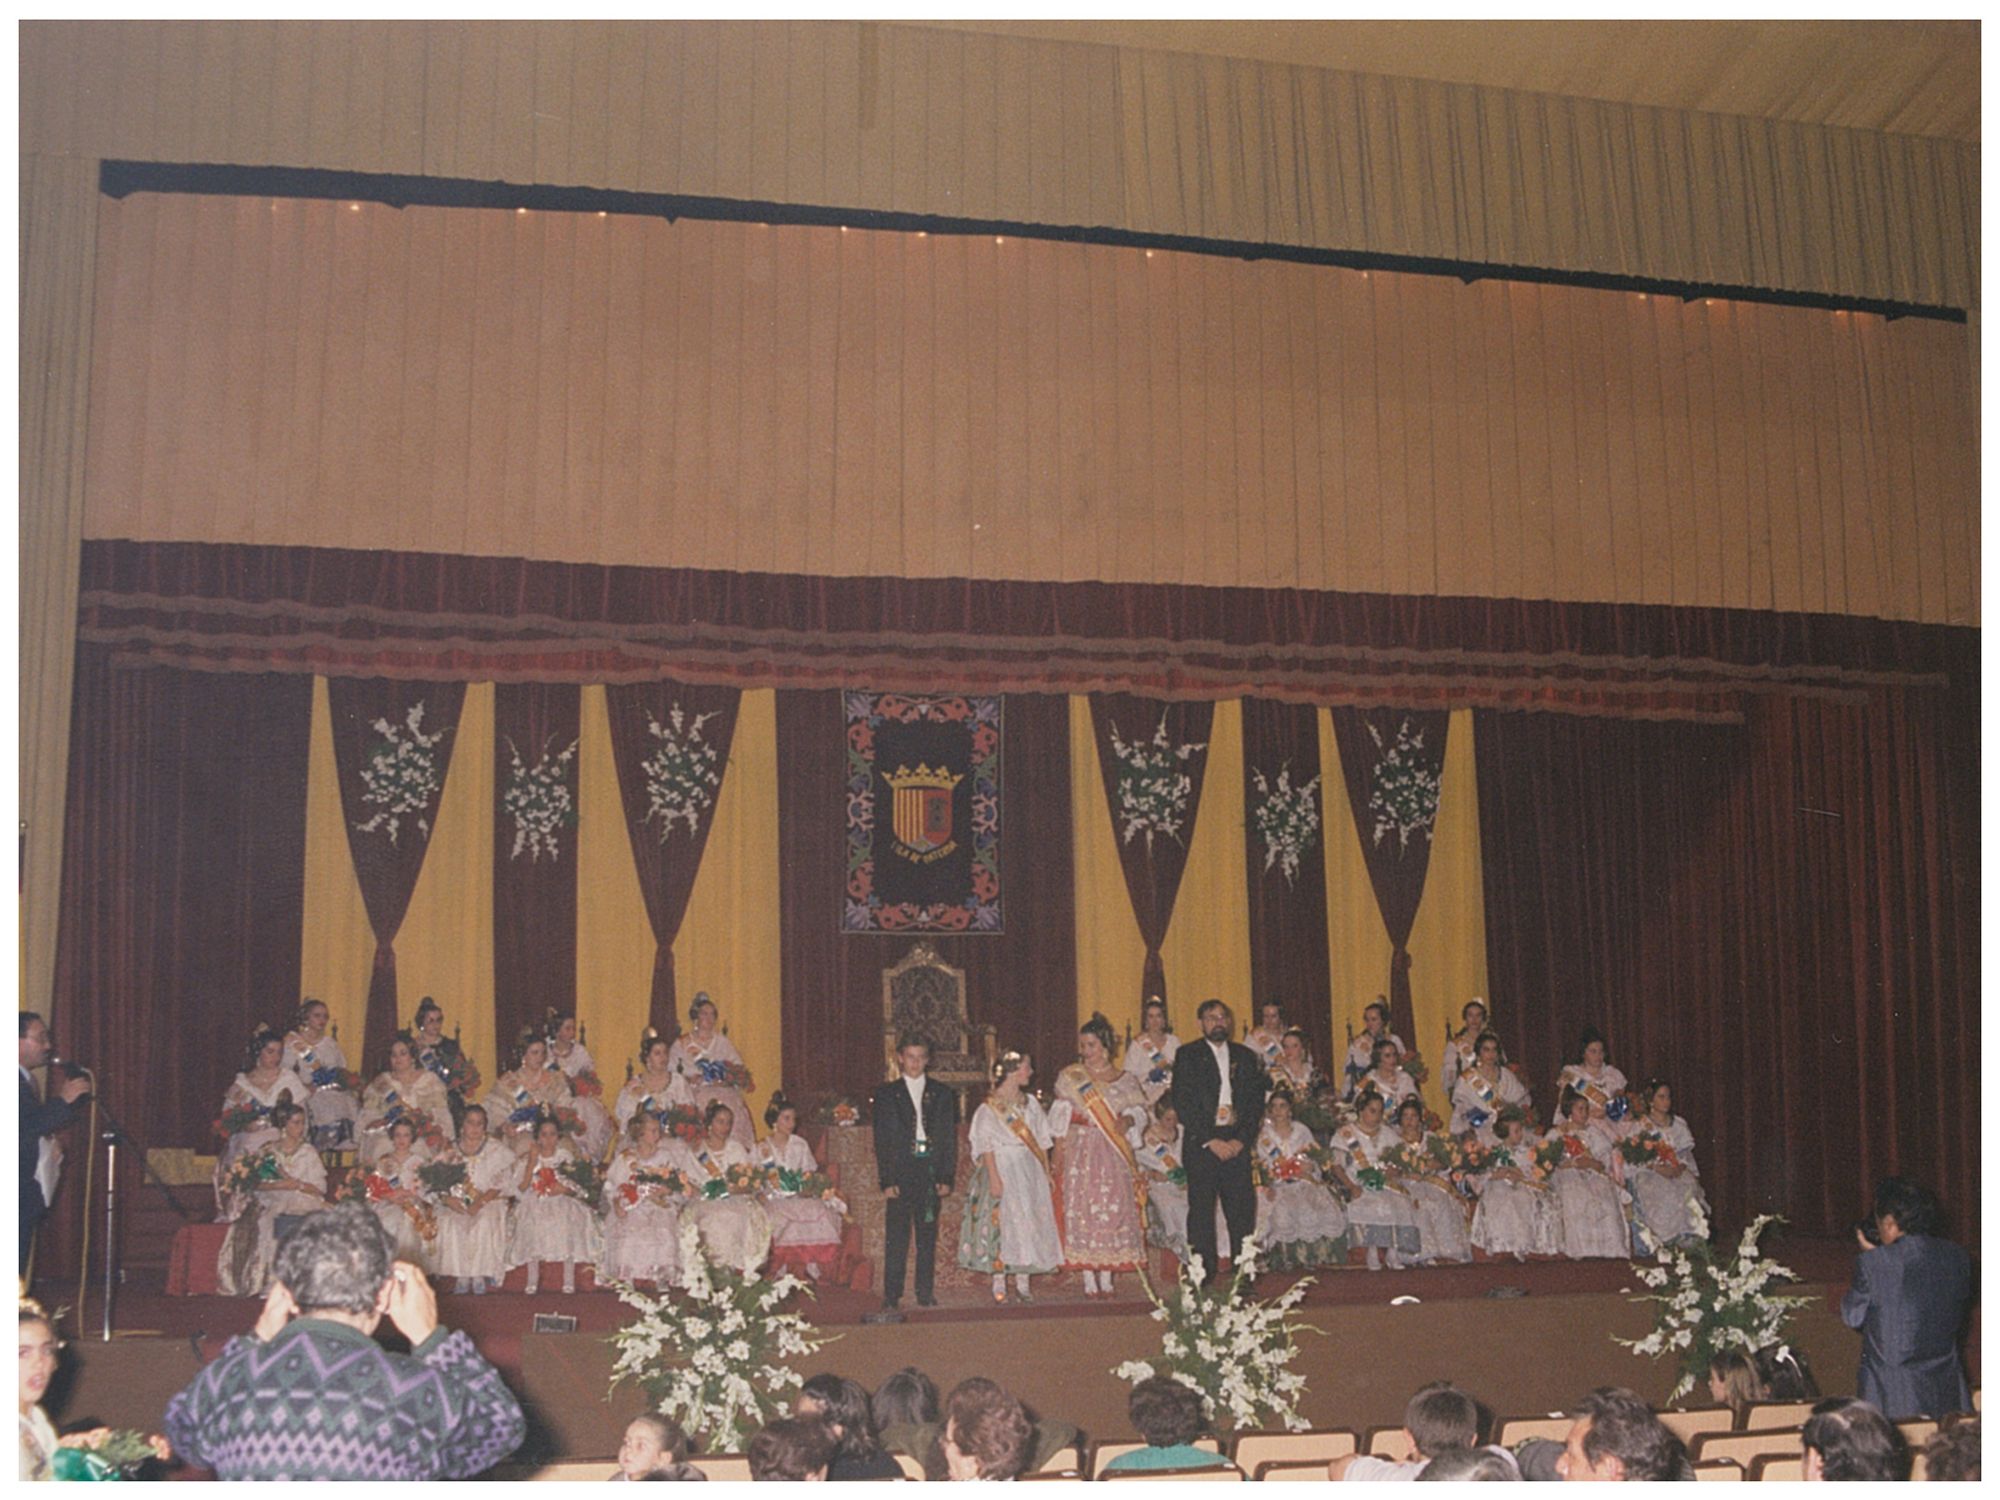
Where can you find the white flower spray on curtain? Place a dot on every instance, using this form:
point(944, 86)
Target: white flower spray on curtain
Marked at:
point(1153, 789)
point(683, 775)
point(1403, 791)
point(539, 800)
point(401, 777)
point(1286, 817)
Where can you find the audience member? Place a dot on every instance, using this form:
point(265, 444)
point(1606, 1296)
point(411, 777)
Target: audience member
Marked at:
point(908, 1398)
point(655, 1447)
point(1439, 1416)
point(1786, 1374)
point(792, 1449)
point(287, 1401)
point(1849, 1439)
point(1734, 1382)
point(1168, 1416)
point(1908, 1301)
point(987, 1434)
point(843, 1406)
point(39, 1347)
point(1953, 1452)
point(1461, 1465)
point(1616, 1437)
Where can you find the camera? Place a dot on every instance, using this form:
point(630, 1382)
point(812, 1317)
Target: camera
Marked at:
point(1867, 1230)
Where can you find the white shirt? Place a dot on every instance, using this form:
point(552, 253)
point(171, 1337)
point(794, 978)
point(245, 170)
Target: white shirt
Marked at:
point(1227, 1098)
point(916, 1088)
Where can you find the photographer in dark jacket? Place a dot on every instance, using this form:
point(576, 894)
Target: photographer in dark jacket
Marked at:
point(916, 1159)
point(1909, 1299)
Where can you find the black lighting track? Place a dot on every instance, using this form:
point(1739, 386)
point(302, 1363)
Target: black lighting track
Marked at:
point(119, 179)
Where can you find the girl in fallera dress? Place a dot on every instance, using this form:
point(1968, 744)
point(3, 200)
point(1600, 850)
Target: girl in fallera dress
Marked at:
point(1300, 1222)
point(656, 1087)
point(1157, 1148)
point(1666, 1190)
point(1387, 1077)
point(261, 1087)
point(1294, 1071)
point(243, 1266)
point(1442, 1213)
point(573, 1059)
point(734, 1227)
point(1380, 1216)
point(1483, 1089)
point(1009, 1227)
point(1594, 1078)
point(399, 1089)
point(551, 1221)
point(642, 1227)
point(1150, 1058)
point(1517, 1213)
point(472, 1229)
point(405, 1213)
point(1268, 1037)
point(1462, 1047)
point(1361, 1050)
point(708, 1062)
point(332, 1108)
point(804, 1231)
point(1103, 1195)
point(522, 1096)
point(1589, 1200)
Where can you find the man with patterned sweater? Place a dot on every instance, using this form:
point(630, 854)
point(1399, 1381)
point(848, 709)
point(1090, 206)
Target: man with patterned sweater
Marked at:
point(309, 1394)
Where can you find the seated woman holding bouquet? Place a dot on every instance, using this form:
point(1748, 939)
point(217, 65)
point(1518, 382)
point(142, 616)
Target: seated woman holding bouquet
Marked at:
point(402, 1090)
point(1660, 1172)
point(1009, 1227)
point(1517, 1213)
point(395, 1192)
point(1157, 1149)
point(1425, 1161)
point(587, 1089)
point(644, 1194)
point(555, 1215)
point(804, 1213)
point(656, 1087)
point(1294, 1070)
point(528, 1092)
point(264, 1084)
point(440, 1054)
point(1150, 1057)
point(1361, 1049)
point(1461, 1048)
point(733, 1225)
point(472, 1208)
point(712, 1069)
point(1582, 1155)
point(283, 1178)
point(1388, 1077)
point(1380, 1215)
point(1484, 1089)
point(1594, 1078)
point(334, 1104)
point(1300, 1222)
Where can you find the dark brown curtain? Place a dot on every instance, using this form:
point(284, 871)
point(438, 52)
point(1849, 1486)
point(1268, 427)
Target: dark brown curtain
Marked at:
point(1153, 862)
point(1288, 953)
point(182, 889)
point(666, 855)
point(1021, 981)
point(534, 885)
point(1781, 919)
point(386, 866)
point(1397, 864)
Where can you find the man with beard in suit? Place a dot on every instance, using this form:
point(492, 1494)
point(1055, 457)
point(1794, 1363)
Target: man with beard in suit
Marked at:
point(1218, 1092)
point(916, 1158)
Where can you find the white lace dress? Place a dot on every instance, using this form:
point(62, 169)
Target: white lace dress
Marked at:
point(550, 1223)
point(405, 1228)
point(642, 1236)
point(1516, 1218)
point(734, 1227)
point(1166, 1199)
point(331, 1108)
point(700, 1064)
point(475, 1243)
point(1591, 1204)
point(1299, 1222)
point(596, 1118)
point(1379, 1218)
point(803, 1230)
point(1152, 1063)
point(1665, 1206)
point(243, 1266)
point(1442, 1218)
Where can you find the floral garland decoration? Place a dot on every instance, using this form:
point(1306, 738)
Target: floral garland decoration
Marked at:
point(1287, 818)
point(714, 1354)
point(540, 800)
point(1153, 790)
point(1233, 1350)
point(1403, 790)
point(1708, 1305)
point(401, 776)
point(682, 775)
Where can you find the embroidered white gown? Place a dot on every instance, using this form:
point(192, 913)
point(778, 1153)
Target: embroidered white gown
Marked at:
point(1268, 1045)
point(642, 1241)
point(685, 1060)
point(402, 1230)
point(287, 1087)
point(1394, 1089)
point(1592, 1205)
point(1441, 1218)
point(1167, 1200)
point(1361, 1052)
point(1516, 1218)
point(1601, 1087)
point(510, 1106)
point(1017, 1234)
point(1473, 1096)
point(1378, 1217)
point(1460, 1053)
point(656, 1099)
point(810, 1227)
point(551, 1225)
point(596, 1118)
point(424, 1091)
point(331, 1108)
point(243, 1266)
point(734, 1227)
point(475, 1244)
point(1665, 1205)
point(1152, 1064)
point(1299, 1223)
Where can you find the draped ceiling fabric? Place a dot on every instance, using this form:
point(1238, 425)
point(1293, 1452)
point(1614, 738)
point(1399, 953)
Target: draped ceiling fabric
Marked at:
point(803, 400)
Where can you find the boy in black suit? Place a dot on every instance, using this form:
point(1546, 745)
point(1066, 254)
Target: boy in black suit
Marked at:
point(1221, 1126)
point(916, 1158)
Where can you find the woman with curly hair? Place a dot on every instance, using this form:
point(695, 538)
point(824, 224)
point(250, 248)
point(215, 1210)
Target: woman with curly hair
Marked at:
point(403, 1089)
point(526, 1092)
point(1103, 1192)
point(261, 1087)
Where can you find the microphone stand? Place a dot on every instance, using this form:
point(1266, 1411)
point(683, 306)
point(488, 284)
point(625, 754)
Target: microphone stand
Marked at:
point(114, 1134)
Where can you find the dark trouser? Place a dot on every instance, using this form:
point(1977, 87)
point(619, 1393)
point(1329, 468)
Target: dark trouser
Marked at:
point(1208, 1179)
point(901, 1214)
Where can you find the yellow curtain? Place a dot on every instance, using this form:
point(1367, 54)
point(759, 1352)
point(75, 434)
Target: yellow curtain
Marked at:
point(1110, 954)
point(1448, 938)
point(1207, 951)
point(614, 936)
point(337, 947)
point(1357, 943)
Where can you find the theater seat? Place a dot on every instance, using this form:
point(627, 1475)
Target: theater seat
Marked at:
point(1689, 1425)
point(1518, 1429)
point(1102, 1453)
point(1744, 1447)
point(1223, 1474)
point(1778, 1467)
point(1764, 1415)
point(1251, 1451)
point(1721, 1471)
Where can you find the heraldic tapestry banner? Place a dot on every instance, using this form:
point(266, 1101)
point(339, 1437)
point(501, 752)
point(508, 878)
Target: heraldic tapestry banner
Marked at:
point(923, 814)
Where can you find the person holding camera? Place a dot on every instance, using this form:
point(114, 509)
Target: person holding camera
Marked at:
point(309, 1394)
point(1909, 1298)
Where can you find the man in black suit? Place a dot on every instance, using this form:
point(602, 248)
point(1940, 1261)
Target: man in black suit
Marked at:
point(916, 1158)
point(1909, 1299)
point(39, 1118)
point(1218, 1093)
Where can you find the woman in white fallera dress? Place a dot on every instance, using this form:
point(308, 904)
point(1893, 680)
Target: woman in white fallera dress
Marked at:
point(655, 1088)
point(1517, 1214)
point(1442, 1214)
point(332, 1108)
point(1267, 1039)
point(472, 1234)
point(1462, 1048)
point(550, 1223)
point(1665, 1195)
point(642, 1228)
point(1300, 1222)
point(400, 1088)
point(804, 1231)
point(1387, 1077)
point(1379, 1218)
point(404, 1214)
point(1294, 1070)
point(263, 1085)
point(1150, 1057)
point(528, 1093)
point(1588, 1196)
point(1361, 1050)
point(1485, 1088)
point(1009, 1227)
point(243, 1266)
point(733, 1226)
point(700, 1058)
point(1157, 1149)
point(586, 1085)
point(1594, 1078)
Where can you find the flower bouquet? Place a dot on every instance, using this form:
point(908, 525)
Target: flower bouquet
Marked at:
point(747, 1177)
point(336, 1078)
point(586, 1085)
point(237, 1118)
point(1417, 1068)
point(448, 1182)
point(795, 1184)
point(250, 1169)
point(1234, 1350)
point(1707, 1305)
point(585, 1178)
point(106, 1453)
point(728, 1075)
point(714, 1354)
point(1647, 1150)
point(364, 1187)
point(667, 1188)
point(681, 1121)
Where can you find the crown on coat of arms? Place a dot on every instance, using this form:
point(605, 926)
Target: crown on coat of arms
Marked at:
point(923, 778)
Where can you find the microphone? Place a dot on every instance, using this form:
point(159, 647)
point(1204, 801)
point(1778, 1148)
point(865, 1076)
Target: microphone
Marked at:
point(70, 1065)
